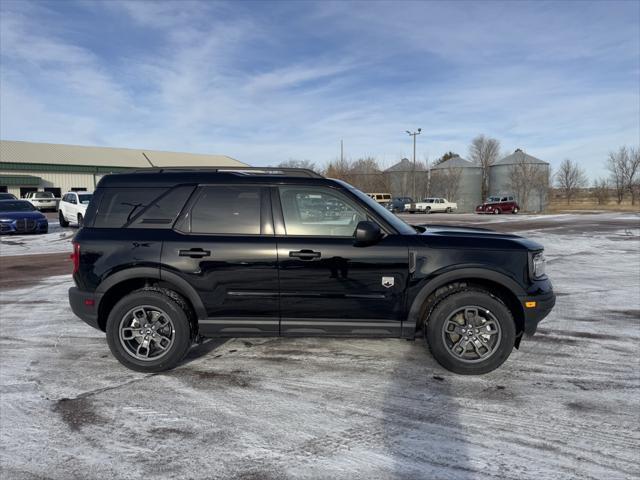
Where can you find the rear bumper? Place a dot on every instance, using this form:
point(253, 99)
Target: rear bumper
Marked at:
point(544, 303)
point(85, 306)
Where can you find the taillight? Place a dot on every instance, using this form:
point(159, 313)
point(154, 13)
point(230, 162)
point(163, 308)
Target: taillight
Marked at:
point(75, 257)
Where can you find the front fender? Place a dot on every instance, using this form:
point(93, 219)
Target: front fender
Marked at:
point(429, 285)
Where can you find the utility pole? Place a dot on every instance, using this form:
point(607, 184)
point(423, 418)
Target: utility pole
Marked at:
point(414, 135)
point(341, 152)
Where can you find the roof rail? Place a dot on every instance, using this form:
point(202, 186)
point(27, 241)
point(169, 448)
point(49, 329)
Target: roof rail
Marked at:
point(289, 171)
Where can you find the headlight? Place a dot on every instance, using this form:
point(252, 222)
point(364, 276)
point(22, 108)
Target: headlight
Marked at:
point(6, 220)
point(538, 264)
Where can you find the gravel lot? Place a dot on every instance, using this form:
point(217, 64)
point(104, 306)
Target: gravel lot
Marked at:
point(566, 405)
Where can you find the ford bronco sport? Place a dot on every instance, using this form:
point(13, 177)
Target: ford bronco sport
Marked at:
point(169, 256)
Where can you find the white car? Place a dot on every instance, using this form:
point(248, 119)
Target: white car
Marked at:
point(42, 200)
point(431, 205)
point(73, 207)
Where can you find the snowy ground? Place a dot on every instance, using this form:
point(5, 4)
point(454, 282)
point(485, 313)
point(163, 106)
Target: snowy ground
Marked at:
point(57, 240)
point(566, 405)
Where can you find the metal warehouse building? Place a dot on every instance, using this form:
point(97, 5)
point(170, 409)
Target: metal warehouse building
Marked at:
point(26, 166)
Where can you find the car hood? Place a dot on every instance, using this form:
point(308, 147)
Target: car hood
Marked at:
point(478, 237)
point(21, 215)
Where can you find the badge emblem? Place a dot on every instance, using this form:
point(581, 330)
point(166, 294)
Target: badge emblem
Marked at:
point(387, 282)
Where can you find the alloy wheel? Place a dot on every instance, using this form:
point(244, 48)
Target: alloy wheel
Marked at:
point(146, 333)
point(471, 334)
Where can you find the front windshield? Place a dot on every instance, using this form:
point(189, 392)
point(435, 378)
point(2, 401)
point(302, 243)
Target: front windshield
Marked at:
point(85, 198)
point(389, 217)
point(16, 206)
point(493, 199)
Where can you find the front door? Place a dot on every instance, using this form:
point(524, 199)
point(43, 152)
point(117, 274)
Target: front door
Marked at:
point(224, 247)
point(328, 284)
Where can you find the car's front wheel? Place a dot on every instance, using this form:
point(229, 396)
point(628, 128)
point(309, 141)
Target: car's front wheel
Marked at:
point(448, 210)
point(80, 220)
point(496, 211)
point(470, 332)
point(63, 221)
point(149, 330)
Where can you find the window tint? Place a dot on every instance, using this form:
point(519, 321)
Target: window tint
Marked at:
point(318, 212)
point(227, 210)
point(120, 205)
point(163, 210)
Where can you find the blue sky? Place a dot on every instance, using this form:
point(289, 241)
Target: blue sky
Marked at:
point(266, 82)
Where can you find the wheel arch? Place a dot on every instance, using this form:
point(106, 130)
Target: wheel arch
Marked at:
point(496, 283)
point(123, 282)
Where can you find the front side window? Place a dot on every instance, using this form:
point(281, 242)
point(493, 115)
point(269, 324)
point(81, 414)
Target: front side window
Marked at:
point(314, 211)
point(230, 210)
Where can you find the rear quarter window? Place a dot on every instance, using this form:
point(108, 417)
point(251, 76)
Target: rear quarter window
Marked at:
point(138, 207)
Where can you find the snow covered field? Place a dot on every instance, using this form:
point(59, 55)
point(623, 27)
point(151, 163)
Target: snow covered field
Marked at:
point(566, 405)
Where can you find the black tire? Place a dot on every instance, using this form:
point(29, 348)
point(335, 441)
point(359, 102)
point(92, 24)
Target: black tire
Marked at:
point(515, 210)
point(448, 210)
point(439, 338)
point(165, 301)
point(427, 210)
point(63, 221)
point(496, 211)
point(80, 220)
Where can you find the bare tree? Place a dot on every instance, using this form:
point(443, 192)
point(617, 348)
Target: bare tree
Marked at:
point(632, 174)
point(601, 190)
point(527, 179)
point(445, 182)
point(367, 176)
point(293, 163)
point(569, 178)
point(484, 152)
point(339, 169)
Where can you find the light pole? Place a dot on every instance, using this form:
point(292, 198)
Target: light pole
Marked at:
point(414, 135)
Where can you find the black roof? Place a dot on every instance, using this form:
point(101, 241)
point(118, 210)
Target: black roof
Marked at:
point(167, 177)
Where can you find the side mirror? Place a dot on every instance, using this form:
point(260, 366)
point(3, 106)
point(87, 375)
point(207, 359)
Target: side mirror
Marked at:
point(367, 232)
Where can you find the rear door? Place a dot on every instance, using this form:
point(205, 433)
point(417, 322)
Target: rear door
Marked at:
point(328, 284)
point(224, 247)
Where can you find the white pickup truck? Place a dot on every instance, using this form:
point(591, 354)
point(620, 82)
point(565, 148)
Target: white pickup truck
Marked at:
point(431, 205)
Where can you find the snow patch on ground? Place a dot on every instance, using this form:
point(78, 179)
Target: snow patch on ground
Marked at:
point(57, 240)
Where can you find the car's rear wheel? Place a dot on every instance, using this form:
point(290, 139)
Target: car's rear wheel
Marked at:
point(149, 331)
point(515, 210)
point(63, 221)
point(470, 332)
point(80, 220)
point(448, 210)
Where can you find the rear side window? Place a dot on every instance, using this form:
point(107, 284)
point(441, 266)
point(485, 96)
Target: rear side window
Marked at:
point(162, 211)
point(227, 210)
point(118, 206)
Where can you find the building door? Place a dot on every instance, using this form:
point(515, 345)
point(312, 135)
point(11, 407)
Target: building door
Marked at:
point(3, 189)
point(55, 190)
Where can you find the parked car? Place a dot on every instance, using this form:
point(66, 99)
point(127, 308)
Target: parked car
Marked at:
point(380, 197)
point(42, 200)
point(497, 205)
point(20, 216)
point(431, 205)
point(169, 256)
point(7, 196)
point(396, 205)
point(73, 207)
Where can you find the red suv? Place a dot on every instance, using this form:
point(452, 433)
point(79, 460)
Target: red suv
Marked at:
point(496, 205)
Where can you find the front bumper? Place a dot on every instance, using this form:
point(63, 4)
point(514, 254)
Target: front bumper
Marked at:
point(537, 305)
point(85, 306)
point(24, 226)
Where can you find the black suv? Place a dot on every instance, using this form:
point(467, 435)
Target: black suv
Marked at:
point(169, 256)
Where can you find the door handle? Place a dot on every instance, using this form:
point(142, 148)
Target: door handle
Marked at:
point(305, 254)
point(194, 253)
